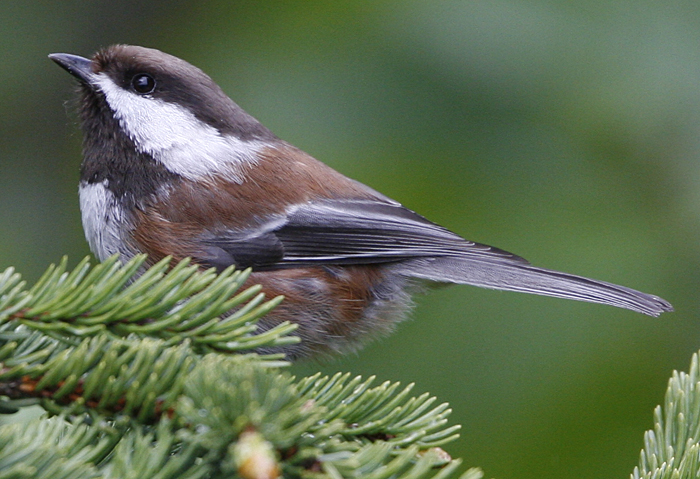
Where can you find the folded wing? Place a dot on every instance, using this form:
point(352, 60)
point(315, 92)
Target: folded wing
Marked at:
point(354, 232)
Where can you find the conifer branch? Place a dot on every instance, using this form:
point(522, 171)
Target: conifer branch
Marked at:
point(142, 357)
point(222, 402)
point(173, 304)
point(147, 359)
point(54, 448)
point(303, 424)
point(672, 447)
point(47, 450)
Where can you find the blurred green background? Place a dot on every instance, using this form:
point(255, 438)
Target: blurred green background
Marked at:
point(566, 132)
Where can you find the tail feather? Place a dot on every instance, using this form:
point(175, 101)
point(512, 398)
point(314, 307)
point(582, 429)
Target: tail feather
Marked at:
point(526, 278)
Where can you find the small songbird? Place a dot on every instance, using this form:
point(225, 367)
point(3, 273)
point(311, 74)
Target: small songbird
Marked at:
point(172, 166)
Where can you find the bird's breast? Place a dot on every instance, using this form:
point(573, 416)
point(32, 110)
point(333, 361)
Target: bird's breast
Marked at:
point(104, 221)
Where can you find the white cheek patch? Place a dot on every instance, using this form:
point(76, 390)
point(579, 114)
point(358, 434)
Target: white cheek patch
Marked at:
point(104, 221)
point(173, 136)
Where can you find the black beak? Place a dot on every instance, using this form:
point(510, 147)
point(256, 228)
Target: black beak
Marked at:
point(77, 66)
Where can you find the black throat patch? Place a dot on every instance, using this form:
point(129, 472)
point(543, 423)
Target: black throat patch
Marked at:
point(110, 156)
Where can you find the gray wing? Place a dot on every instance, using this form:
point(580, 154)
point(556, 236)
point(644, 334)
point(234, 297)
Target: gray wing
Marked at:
point(344, 232)
point(352, 232)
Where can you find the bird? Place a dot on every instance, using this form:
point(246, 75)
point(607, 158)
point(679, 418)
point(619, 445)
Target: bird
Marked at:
point(172, 167)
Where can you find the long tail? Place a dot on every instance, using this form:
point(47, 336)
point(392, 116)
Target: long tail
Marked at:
point(525, 278)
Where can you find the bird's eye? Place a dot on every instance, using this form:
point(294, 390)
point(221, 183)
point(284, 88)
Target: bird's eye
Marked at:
point(143, 83)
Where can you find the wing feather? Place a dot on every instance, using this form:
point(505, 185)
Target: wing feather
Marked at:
point(356, 232)
point(346, 232)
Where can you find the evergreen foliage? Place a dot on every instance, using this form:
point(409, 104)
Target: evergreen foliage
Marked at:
point(672, 447)
point(135, 367)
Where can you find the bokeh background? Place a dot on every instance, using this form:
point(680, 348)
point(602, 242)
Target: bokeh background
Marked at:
point(566, 132)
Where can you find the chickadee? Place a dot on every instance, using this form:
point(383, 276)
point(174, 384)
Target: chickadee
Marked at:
point(172, 166)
